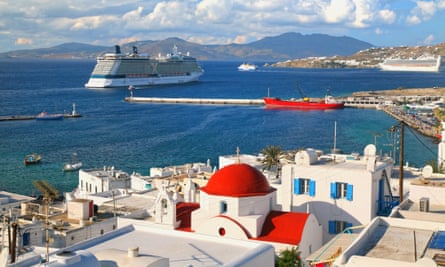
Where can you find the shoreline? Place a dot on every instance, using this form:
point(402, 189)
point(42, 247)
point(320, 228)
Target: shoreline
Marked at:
point(403, 92)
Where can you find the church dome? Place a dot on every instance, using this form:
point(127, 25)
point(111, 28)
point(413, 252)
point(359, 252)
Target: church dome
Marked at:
point(238, 180)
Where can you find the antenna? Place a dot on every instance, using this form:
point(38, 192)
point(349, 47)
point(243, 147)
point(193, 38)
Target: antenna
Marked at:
point(49, 193)
point(335, 136)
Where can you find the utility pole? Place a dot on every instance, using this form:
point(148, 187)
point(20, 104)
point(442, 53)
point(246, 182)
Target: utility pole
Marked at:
point(402, 136)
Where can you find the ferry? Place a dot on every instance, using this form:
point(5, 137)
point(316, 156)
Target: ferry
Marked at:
point(422, 63)
point(138, 70)
point(247, 67)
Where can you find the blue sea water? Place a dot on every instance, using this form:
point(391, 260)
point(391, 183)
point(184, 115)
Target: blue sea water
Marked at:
point(135, 136)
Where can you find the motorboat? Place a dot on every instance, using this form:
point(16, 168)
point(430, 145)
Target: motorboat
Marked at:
point(73, 166)
point(46, 116)
point(33, 158)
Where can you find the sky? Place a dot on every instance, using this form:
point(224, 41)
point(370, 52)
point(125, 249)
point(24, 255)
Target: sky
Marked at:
point(29, 24)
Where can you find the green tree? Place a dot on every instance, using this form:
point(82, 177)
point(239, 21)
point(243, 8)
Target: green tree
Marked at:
point(288, 258)
point(272, 158)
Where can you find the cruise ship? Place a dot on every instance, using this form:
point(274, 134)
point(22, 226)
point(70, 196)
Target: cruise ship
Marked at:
point(138, 70)
point(423, 63)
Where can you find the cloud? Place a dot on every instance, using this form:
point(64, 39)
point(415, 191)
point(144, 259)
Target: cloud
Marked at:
point(425, 10)
point(48, 22)
point(387, 16)
point(412, 20)
point(240, 39)
point(23, 41)
point(429, 39)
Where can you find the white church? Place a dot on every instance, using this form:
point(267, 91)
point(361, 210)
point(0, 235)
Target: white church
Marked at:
point(238, 203)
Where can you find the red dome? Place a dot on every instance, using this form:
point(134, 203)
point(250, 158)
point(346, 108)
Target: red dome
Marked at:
point(238, 180)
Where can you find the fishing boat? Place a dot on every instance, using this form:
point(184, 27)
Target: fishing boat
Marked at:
point(247, 67)
point(33, 158)
point(329, 102)
point(46, 116)
point(73, 166)
point(122, 70)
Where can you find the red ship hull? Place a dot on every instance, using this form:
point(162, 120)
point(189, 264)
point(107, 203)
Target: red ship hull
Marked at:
point(298, 104)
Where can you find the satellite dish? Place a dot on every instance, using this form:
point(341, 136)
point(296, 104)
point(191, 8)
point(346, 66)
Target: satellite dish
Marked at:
point(370, 150)
point(427, 171)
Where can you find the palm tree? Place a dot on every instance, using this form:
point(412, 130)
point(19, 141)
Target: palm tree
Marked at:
point(288, 258)
point(272, 158)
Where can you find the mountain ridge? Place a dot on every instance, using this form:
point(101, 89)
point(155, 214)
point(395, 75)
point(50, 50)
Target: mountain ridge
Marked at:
point(270, 48)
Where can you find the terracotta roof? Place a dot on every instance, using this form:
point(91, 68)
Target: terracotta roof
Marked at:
point(238, 180)
point(283, 227)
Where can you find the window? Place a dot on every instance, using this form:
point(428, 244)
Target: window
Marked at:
point(304, 186)
point(336, 227)
point(223, 208)
point(341, 190)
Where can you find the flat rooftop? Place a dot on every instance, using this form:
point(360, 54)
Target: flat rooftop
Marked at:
point(402, 240)
point(181, 248)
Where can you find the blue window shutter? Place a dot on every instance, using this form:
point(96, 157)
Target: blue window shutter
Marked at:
point(333, 190)
point(297, 186)
point(311, 188)
point(349, 189)
point(332, 227)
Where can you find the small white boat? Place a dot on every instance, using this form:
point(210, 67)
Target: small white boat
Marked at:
point(73, 166)
point(46, 116)
point(247, 67)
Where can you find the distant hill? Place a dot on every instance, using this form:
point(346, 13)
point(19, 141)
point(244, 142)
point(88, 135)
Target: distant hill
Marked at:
point(282, 47)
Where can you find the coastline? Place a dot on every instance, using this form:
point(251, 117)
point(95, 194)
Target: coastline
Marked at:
point(403, 92)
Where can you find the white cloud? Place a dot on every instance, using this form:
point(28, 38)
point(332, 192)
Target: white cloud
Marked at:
point(378, 31)
point(412, 20)
point(48, 22)
point(23, 41)
point(214, 11)
point(425, 10)
point(429, 39)
point(338, 11)
point(387, 16)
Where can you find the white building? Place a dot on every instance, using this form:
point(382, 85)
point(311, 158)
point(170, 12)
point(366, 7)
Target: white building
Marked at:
point(92, 181)
point(340, 190)
point(238, 203)
point(9, 201)
point(139, 245)
point(388, 242)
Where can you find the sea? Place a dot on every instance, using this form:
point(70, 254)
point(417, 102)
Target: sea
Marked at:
point(134, 137)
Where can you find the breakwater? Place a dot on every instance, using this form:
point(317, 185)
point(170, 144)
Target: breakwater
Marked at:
point(33, 117)
point(419, 123)
point(203, 101)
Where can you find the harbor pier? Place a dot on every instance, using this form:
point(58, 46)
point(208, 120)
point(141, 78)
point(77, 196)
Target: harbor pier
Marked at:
point(202, 101)
point(33, 117)
point(413, 121)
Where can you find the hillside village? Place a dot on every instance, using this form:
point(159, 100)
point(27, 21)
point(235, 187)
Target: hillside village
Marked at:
point(369, 58)
point(331, 209)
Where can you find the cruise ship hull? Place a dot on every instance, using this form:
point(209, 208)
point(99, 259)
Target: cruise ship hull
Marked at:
point(424, 65)
point(98, 82)
point(124, 70)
